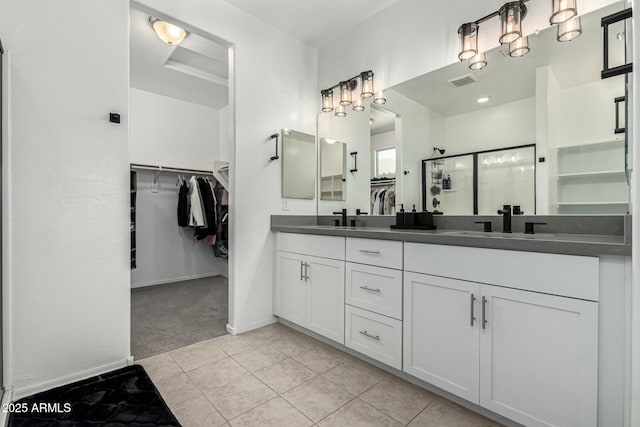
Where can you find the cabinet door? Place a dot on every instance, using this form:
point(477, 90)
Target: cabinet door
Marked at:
point(325, 302)
point(441, 333)
point(538, 358)
point(291, 289)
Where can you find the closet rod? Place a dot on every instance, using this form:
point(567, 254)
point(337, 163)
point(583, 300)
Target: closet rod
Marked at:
point(170, 169)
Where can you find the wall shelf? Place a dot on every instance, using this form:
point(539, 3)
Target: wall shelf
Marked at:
point(593, 174)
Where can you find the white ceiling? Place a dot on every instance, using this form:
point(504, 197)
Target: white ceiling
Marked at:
point(195, 71)
point(315, 22)
point(507, 79)
point(383, 121)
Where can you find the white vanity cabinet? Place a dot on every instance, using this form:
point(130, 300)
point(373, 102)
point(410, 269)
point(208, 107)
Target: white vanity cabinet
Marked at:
point(309, 285)
point(527, 355)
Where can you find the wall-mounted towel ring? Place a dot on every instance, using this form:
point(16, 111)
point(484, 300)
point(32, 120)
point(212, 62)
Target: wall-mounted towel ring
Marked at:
point(275, 136)
point(354, 154)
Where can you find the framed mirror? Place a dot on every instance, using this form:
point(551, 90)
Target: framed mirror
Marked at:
point(333, 166)
point(298, 165)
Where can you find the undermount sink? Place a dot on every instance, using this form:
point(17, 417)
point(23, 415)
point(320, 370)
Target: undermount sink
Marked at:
point(498, 234)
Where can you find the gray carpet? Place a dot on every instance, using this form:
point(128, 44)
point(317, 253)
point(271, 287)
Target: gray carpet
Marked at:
point(173, 315)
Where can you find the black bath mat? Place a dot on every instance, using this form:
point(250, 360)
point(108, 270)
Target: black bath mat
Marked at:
point(125, 397)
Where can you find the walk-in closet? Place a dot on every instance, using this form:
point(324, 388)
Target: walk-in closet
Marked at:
point(179, 153)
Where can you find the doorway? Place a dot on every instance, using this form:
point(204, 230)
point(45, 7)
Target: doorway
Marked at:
point(180, 145)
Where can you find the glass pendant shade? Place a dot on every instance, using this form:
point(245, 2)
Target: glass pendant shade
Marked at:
point(327, 100)
point(569, 30)
point(511, 15)
point(562, 11)
point(379, 98)
point(345, 93)
point(340, 112)
point(367, 84)
point(168, 33)
point(468, 39)
point(358, 104)
point(478, 62)
point(519, 47)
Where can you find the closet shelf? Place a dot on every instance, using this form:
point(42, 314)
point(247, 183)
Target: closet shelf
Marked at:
point(594, 174)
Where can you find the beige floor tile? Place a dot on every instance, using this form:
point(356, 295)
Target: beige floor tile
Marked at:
point(321, 358)
point(285, 375)
point(217, 374)
point(160, 366)
point(358, 414)
point(398, 399)
point(317, 398)
point(354, 377)
point(197, 355)
point(177, 389)
point(234, 344)
point(241, 396)
point(443, 413)
point(294, 343)
point(270, 332)
point(198, 412)
point(275, 413)
point(259, 358)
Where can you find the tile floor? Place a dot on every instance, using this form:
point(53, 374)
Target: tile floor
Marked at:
point(275, 376)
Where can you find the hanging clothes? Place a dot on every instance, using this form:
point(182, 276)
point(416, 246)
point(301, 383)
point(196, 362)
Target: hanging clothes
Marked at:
point(383, 200)
point(184, 205)
point(209, 205)
point(197, 218)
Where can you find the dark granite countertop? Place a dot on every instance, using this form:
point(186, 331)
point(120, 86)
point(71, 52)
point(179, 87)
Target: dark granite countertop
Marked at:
point(557, 243)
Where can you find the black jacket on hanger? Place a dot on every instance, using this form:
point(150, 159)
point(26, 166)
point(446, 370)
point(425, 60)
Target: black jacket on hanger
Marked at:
point(184, 207)
point(209, 210)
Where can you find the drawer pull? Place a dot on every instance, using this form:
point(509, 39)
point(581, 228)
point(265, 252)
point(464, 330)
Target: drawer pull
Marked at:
point(366, 288)
point(484, 313)
point(473, 316)
point(369, 251)
point(366, 334)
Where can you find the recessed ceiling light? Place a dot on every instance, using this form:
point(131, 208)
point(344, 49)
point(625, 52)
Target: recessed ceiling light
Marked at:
point(167, 32)
point(483, 99)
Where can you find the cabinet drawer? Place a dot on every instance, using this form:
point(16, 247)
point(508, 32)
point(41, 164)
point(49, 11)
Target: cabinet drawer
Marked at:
point(308, 244)
point(383, 253)
point(375, 289)
point(566, 275)
point(374, 335)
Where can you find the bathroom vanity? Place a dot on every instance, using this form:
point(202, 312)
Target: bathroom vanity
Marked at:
point(528, 327)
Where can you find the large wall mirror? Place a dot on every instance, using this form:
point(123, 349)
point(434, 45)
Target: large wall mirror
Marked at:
point(298, 165)
point(538, 131)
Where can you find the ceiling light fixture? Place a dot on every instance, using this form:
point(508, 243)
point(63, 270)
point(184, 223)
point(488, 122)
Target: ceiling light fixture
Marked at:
point(483, 99)
point(347, 97)
point(570, 30)
point(167, 32)
point(564, 13)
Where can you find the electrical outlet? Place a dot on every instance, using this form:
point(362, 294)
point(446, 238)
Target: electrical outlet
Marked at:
point(285, 204)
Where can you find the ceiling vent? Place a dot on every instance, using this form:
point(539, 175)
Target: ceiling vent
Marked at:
point(463, 80)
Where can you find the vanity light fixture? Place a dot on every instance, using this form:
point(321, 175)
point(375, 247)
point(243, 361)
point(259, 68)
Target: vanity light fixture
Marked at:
point(562, 11)
point(347, 97)
point(511, 16)
point(478, 62)
point(570, 30)
point(519, 48)
point(167, 32)
point(468, 38)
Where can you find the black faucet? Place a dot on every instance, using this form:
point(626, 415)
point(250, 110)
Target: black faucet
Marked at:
point(506, 218)
point(343, 212)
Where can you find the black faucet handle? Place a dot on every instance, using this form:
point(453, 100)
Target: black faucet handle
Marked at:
point(354, 221)
point(336, 222)
point(487, 226)
point(517, 210)
point(529, 227)
point(359, 212)
point(506, 209)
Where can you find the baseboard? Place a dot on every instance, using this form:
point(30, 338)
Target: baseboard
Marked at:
point(7, 397)
point(19, 393)
point(250, 327)
point(174, 279)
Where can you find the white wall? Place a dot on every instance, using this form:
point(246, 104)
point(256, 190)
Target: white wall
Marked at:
point(273, 89)
point(166, 252)
point(171, 132)
point(504, 125)
point(66, 231)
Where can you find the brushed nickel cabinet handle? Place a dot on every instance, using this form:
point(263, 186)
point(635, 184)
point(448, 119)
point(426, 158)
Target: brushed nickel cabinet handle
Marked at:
point(366, 334)
point(473, 316)
point(301, 273)
point(369, 251)
point(366, 288)
point(306, 271)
